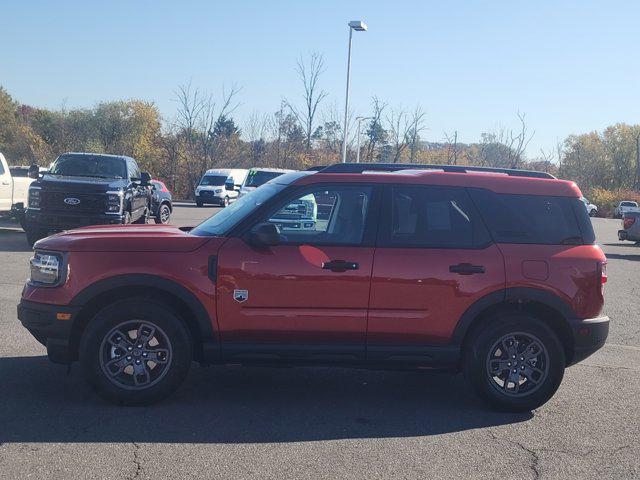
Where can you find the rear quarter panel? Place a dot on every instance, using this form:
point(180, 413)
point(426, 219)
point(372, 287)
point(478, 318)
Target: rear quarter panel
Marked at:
point(568, 271)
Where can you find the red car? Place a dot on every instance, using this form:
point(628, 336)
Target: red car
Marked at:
point(494, 273)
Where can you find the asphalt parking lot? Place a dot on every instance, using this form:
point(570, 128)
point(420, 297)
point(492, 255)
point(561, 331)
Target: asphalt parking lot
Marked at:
point(317, 422)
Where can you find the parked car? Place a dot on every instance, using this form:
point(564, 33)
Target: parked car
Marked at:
point(630, 227)
point(624, 207)
point(411, 267)
point(83, 189)
point(592, 210)
point(211, 189)
point(13, 191)
point(259, 176)
point(161, 202)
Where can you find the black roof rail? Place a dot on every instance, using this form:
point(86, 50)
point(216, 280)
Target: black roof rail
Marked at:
point(393, 167)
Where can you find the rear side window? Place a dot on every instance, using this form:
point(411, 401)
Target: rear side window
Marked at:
point(534, 219)
point(432, 217)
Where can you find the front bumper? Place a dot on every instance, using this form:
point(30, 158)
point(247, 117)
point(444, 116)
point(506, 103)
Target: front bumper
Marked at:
point(589, 335)
point(65, 221)
point(210, 197)
point(41, 320)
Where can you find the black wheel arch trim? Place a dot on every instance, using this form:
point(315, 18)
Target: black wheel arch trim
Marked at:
point(510, 296)
point(201, 316)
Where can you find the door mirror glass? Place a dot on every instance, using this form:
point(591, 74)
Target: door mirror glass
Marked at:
point(265, 235)
point(34, 172)
point(228, 185)
point(145, 178)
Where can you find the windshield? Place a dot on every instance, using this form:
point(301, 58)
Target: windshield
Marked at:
point(260, 177)
point(628, 204)
point(213, 180)
point(228, 218)
point(99, 166)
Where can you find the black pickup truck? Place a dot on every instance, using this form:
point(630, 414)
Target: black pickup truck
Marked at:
point(82, 189)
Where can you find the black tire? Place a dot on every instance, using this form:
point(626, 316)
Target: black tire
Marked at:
point(482, 343)
point(126, 218)
point(34, 234)
point(164, 214)
point(593, 213)
point(199, 204)
point(225, 202)
point(94, 345)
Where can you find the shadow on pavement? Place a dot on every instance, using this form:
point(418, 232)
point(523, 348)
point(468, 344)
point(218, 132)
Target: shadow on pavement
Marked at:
point(40, 403)
point(617, 256)
point(627, 244)
point(13, 241)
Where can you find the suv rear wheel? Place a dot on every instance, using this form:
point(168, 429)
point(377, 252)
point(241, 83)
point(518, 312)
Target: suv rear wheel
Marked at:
point(136, 352)
point(515, 362)
point(164, 214)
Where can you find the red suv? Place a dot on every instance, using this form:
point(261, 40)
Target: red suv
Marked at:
point(492, 272)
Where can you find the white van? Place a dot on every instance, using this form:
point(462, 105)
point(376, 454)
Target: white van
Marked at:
point(258, 176)
point(211, 189)
point(14, 190)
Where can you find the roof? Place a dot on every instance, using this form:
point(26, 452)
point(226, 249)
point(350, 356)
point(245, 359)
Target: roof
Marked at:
point(497, 180)
point(91, 154)
point(269, 169)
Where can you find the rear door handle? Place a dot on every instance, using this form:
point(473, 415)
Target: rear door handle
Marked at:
point(466, 269)
point(340, 265)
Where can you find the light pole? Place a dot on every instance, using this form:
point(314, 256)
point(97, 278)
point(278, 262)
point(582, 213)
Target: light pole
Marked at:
point(359, 120)
point(359, 26)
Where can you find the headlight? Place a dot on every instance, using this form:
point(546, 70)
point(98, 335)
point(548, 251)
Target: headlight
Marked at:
point(114, 202)
point(218, 190)
point(46, 268)
point(34, 198)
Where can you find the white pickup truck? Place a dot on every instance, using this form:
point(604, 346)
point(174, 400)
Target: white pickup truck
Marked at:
point(13, 192)
point(624, 207)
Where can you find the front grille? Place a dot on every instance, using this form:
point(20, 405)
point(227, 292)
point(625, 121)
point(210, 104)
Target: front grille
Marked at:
point(88, 202)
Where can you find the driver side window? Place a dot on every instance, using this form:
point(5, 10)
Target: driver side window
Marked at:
point(324, 216)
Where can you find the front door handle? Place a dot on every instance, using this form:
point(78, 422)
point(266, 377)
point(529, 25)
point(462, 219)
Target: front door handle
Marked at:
point(340, 265)
point(466, 269)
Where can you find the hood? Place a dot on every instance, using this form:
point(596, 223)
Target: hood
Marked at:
point(123, 238)
point(81, 184)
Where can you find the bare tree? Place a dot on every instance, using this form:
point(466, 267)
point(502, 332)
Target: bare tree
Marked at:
point(415, 127)
point(309, 74)
point(398, 128)
point(376, 134)
point(517, 142)
point(452, 147)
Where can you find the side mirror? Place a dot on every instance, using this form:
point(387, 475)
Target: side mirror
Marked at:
point(34, 172)
point(228, 185)
point(265, 235)
point(145, 178)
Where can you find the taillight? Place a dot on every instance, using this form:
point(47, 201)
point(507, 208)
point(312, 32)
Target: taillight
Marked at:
point(602, 267)
point(628, 221)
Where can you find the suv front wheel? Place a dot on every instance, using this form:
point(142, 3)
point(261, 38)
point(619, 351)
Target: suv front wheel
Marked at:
point(515, 362)
point(136, 352)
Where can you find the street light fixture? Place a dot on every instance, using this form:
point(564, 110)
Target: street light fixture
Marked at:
point(359, 120)
point(358, 26)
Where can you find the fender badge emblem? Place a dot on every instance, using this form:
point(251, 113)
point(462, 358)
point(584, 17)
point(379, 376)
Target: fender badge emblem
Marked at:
point(240, 295)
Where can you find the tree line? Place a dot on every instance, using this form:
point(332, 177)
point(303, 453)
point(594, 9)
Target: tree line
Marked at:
point(302, 131)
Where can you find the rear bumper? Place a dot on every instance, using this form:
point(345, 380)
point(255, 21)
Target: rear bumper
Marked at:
point(41, 320)
point(65, 221)
point(589, 335)
point(631, 234)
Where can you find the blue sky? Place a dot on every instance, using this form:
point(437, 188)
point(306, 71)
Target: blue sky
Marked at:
point(572, 67)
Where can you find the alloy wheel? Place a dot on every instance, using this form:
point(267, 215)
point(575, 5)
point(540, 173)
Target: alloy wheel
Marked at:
point(517, 364)
point(135, 354)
